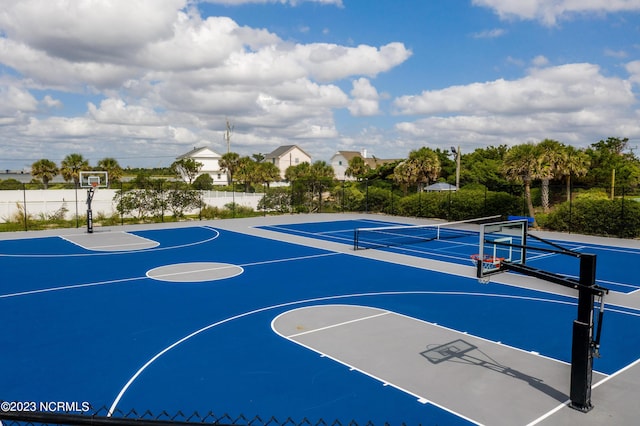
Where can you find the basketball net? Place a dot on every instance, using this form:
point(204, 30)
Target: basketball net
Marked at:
point(489, 263)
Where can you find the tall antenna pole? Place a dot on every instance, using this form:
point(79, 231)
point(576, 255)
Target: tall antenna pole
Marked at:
point(458, 155)
point(227, 136)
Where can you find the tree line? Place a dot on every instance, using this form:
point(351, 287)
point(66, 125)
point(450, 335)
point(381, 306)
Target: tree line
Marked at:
point(45, 170)
point(544, 167)
point(603, 164)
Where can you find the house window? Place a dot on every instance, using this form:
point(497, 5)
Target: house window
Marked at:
point(219, 176)
point(297, 160)
point(340, 163)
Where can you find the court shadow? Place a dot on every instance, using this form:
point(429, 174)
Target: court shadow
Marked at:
point(462, 351)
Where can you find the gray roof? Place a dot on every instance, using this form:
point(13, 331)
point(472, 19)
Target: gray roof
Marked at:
point(282, 150)
point(441, 186)
point(195, 151)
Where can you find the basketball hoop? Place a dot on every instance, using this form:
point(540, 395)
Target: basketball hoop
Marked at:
point(489, 264)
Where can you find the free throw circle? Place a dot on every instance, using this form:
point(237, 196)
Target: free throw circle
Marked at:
point(194, 272)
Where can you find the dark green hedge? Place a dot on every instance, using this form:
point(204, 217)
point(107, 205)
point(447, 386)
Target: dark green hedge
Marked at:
point(461, 205)
point(619, 217)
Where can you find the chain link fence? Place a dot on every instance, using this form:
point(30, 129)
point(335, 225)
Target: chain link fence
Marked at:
point(147, 418)
point(609, 211)
point(31, 206)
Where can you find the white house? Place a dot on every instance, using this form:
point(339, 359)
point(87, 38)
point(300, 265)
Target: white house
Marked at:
point(286, 156)
point(210, 164)
point(340, 162)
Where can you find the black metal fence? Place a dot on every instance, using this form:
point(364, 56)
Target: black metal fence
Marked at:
point(147, 418)
point(601, 211)
point(28, 206)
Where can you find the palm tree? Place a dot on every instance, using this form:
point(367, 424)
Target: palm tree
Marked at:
point(321, 171)
point(297, 172)
point(424, 164)
point(550, 159)
point(402, 176)
point(321, 176)
point(246, 172)
point(72, 165)
point(45, 170)
point(268, 173)
point(113, 169)
point(521, 165)
point(229, 164)
point(574, 162)
point(298, 178)
point(358, 168)
point(258, 157)
point(309, 180)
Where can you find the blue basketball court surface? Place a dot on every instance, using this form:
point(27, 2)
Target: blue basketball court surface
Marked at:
point(280, 317)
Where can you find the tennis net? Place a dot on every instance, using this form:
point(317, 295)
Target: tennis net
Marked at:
point(400, 235)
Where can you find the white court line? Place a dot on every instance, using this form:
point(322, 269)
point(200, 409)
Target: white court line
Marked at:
point(79, 244)
point(636, 287)
point(192, 271)
point(68, 287)
point(588, 246)
point(175, 274)
point(291, 259)
point(313, 300)
point(98, 248)
point(566, 403)
point(306, 233)
point(420, 398)
point(116, 253)
point(74, 286)
point(338, 325)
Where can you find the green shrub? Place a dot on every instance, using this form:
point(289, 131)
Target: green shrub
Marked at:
point(380, 199)
point(597, 216)
point(460, 205)
point(276, 200)
point(203, 182)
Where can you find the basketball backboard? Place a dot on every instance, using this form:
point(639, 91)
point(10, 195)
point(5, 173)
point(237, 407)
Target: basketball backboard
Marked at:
point(94, 179)
point(500, 242)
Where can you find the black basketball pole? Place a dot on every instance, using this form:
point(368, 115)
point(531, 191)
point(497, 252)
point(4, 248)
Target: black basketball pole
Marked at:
point(581, 349)
point(89, 212)
point(583, 345)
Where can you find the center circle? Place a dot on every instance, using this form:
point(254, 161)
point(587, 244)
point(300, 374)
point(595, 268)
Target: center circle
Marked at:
point(194, 272)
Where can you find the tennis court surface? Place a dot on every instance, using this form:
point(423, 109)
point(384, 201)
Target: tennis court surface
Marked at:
point(279, 317)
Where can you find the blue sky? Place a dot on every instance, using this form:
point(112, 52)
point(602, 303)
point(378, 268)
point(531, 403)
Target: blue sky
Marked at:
point(147, 81)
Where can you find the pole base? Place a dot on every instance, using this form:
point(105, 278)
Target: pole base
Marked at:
point(89, 221)
point(582, 408)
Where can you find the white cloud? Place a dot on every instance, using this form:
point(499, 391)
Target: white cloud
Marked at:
point(198, 44)
point(116, 111)
point(620, 54)
point(365, 98)
point(49, 102)
point(565, 103)
point(14, 100)
point(170, 76)
point(550, 11)
point(51, 72)
point(290, 2)
point(633, 68)
point(540, 61)
point(328, 62)
point(564, 88)
point(89, 30)
point(494, 33)
point(515, 61)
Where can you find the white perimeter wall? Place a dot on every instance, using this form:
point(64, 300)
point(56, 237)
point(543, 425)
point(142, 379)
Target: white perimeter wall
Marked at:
point(44, 203)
